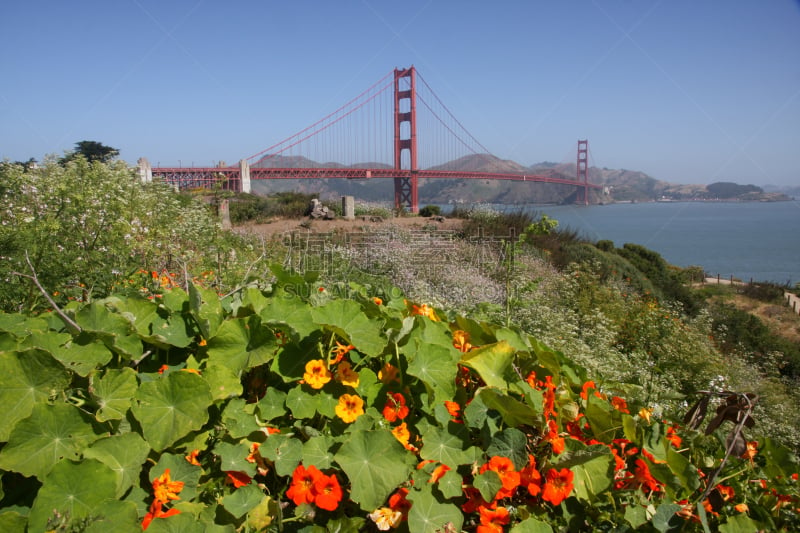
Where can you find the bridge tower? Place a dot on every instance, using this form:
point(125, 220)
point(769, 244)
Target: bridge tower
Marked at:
point(405, 111)
point(582, 173)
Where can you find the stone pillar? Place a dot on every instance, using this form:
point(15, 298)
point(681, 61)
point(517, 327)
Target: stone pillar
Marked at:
point(244, 174)
point(225, 213)
point(348, 208)
point(145, 170)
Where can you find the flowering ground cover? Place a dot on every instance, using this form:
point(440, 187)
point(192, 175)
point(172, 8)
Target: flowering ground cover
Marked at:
point(289, 409)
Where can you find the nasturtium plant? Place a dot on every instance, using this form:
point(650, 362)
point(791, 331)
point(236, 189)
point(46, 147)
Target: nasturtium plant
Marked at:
point(286, 408)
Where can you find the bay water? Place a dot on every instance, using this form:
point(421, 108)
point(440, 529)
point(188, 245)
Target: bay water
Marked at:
point(746, 240)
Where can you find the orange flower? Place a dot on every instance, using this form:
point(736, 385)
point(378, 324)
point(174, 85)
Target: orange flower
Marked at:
point(549, 394)
point(642, 478)
point(339, 351)
point(317, 374)
point(741, 508)
point(553, 437)
point(346, 375)
point(163, 368)
point(558, 485)
point(237, 478)
point(531, 379)
point(328, 492)
point(402, 434)
point(155, 512)
point(751, 451)
point(438, 472)
point(493, 520)
point(388, 374)
point(453, 409)
point(424, 310)
point(509, 477)
point(164, 489)
point(395, 407)
point(673, 437)
point(530, 478)
point(349, 408)
point(377, 301)
point(192, 457)
point(619, 404)
point(303, 481)
point(461, 341)
point(586, 388)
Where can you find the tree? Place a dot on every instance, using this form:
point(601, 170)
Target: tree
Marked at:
point(92, 151)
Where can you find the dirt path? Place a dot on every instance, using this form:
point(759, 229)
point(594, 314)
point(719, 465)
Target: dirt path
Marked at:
point(339, 225)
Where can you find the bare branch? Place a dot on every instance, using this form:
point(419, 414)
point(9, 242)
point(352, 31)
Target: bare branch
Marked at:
point(71, 324)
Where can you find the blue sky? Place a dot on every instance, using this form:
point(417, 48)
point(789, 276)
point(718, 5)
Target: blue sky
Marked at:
point(686, 91)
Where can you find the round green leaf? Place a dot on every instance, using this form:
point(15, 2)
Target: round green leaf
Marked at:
point(113, 393)
point(242, 343)
point(124, 454)
point(170, 407)
point(428, 515)
point(348, 320)
point(242, 500)
point(376, 463)
point(25, 379)
point(436, 366)
point(223, 381)
point(76, 490)
point(51, 433)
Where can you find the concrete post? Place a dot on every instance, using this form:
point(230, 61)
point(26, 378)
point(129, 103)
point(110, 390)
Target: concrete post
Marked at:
point(225, 213)
point(348, 208)
point(145, 170)
point(244, 174)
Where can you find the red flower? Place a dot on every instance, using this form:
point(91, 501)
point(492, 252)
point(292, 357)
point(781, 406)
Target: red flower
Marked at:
point(237, 478)
point(398, 502)
point(619, 404)
point(475, 501)
point(303, 481)
point(454, 410)
point(553, 437)
point(328, 492)
point(558, 485)
point(549, 407)
point(395, 408)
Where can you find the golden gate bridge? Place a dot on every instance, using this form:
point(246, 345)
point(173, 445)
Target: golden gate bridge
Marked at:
point(397, 129)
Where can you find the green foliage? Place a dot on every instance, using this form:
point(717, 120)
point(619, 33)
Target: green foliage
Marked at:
point(745, 335)
point(255, 208)
point(83, 228)
point(430, 211)
point(91, 151)
point(165, 413)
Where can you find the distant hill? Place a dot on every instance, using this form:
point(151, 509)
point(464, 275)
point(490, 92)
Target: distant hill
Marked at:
point(620, 185)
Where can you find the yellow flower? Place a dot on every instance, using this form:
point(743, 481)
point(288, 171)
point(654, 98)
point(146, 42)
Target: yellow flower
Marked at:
point(461, 341)
point(424, 310)
point(317, 374)
point(350, 407)
point(385, 518)
point(646, 413)
point(346, 375)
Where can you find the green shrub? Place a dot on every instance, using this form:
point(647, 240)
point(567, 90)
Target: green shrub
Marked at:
point(430, 211)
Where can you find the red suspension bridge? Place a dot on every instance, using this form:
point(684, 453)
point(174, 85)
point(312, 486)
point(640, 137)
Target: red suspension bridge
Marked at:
point(378, 134)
